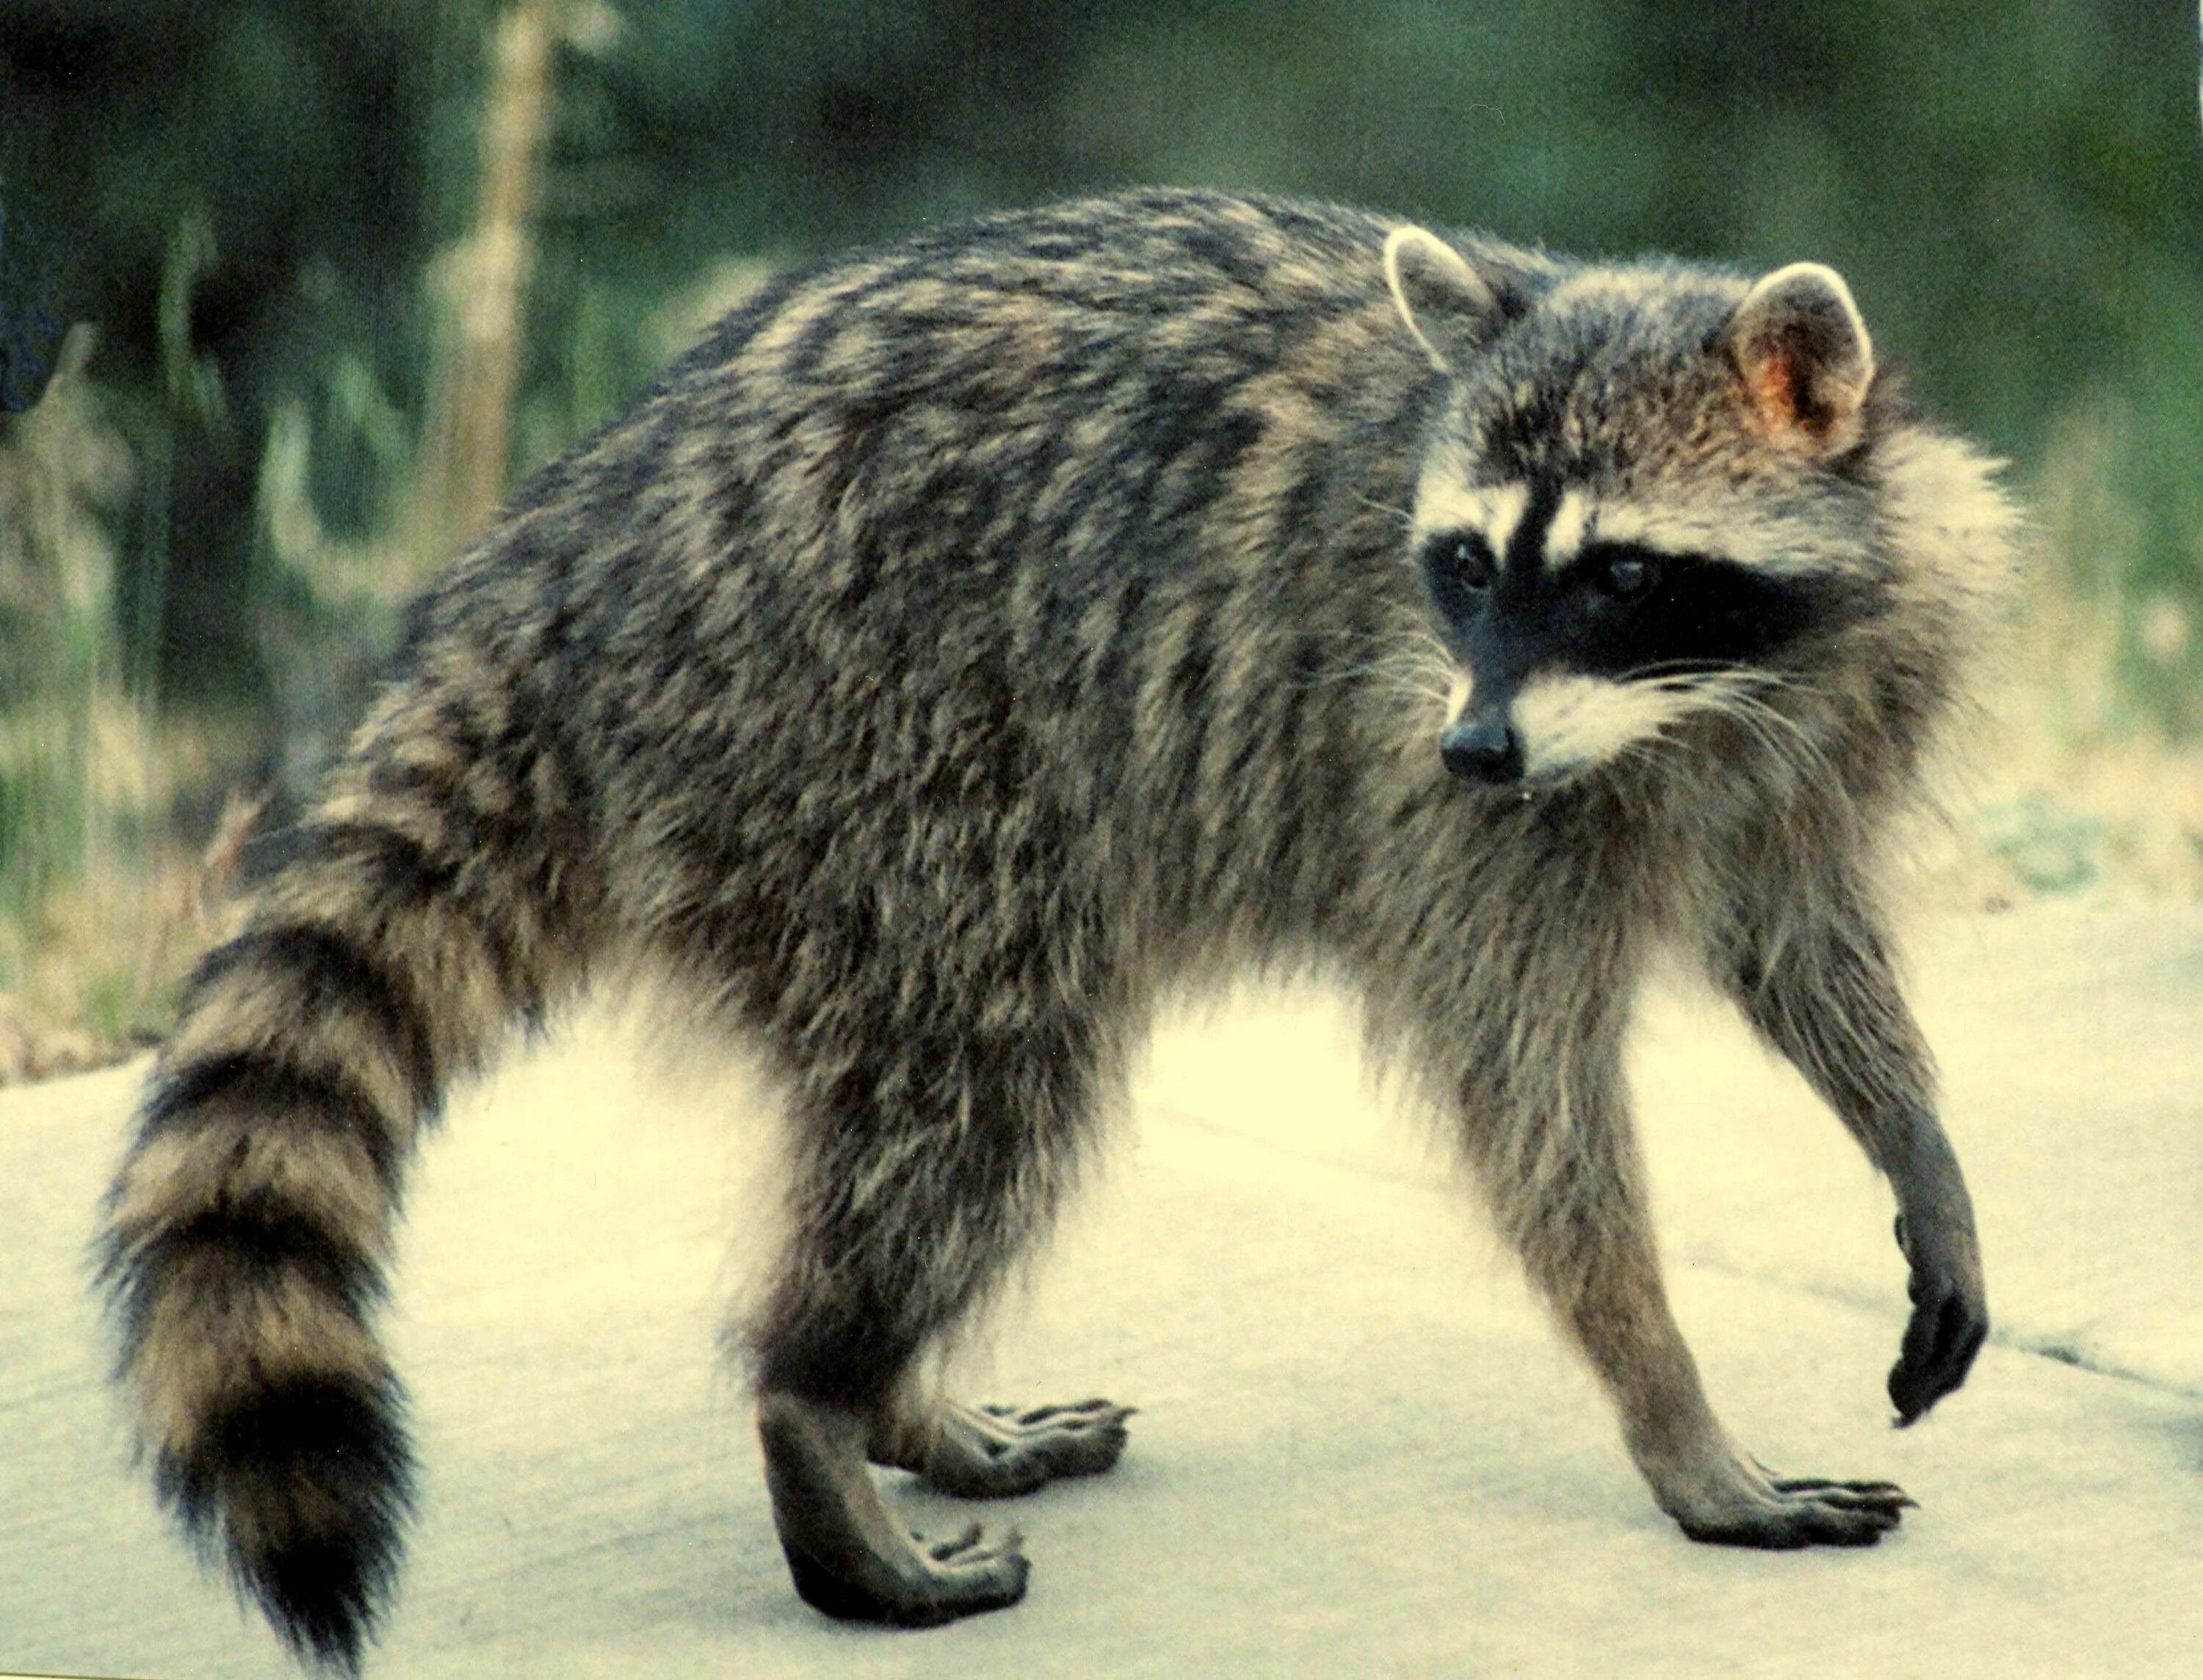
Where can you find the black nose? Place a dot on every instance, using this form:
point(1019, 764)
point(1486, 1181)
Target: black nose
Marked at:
point(1486, 750)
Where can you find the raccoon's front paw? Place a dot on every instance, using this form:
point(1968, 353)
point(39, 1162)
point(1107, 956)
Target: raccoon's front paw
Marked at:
point(1783, 1513)
point(1950, 1318)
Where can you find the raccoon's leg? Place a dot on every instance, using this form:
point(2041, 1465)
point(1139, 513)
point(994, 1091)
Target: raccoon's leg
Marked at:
point(1825, 995)
point(1562, 1172)
point(1611, 1299)
point(907, 1210)
point(848, 1556)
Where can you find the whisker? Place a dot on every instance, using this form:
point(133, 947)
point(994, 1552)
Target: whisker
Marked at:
point(1405, 654)
point(1406, 516)
point(1739, 698)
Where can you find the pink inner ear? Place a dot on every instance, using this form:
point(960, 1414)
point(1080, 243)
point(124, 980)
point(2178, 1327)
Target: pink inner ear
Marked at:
point(1778, 370)
point(1776, 386)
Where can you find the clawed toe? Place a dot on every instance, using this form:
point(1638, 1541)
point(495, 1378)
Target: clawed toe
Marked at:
point(1075, 1415)
point(942, 1551)
point(1860, 1494)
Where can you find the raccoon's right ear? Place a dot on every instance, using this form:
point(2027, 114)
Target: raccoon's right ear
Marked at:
point(1442, 299)
point(1806, 360)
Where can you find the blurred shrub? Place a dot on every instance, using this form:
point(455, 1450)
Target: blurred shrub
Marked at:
point(2015, 194)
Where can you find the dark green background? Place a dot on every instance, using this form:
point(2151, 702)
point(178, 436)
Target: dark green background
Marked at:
point(2013, 190)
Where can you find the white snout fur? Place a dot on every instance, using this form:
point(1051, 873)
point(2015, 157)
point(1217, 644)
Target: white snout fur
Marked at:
point(1569, 723)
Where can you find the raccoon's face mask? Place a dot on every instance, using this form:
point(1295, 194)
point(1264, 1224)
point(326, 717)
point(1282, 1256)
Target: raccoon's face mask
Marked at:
point(1574, 647)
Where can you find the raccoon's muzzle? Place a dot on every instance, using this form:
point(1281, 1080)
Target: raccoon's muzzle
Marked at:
point(1484, 751)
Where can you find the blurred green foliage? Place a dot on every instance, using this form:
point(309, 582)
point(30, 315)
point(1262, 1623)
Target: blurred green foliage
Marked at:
point(247, 198)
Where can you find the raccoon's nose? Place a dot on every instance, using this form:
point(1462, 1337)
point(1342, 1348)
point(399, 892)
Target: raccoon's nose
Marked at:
point(1485, 750)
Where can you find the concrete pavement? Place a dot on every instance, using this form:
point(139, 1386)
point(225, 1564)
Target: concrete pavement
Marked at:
point(1360, 1449)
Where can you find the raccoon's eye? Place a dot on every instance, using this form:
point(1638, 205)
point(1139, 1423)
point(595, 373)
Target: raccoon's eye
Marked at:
point(1628, 577)
point(1468, 557)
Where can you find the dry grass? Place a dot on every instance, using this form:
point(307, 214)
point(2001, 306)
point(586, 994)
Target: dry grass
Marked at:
point(2079, 784)
point(483, 283)
point(98, 958)
point(98, 908)
point(103, 906)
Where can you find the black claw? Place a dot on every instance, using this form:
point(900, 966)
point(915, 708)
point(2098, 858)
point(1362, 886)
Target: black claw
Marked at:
point(1908, 1413)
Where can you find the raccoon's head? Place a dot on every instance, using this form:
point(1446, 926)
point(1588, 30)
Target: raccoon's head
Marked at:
point(1647, 498)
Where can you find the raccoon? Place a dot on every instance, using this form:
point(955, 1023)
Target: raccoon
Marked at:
point(975, 639)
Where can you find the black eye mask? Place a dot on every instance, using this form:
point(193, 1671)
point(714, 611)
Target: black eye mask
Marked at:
point(1618, 609)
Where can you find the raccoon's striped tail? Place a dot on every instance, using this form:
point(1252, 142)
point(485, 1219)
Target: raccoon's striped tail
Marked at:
point(247, 1236)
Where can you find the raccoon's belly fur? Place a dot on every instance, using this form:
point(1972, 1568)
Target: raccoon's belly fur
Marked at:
point(974, 636)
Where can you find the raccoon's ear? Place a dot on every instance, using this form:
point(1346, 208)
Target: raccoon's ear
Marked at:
point(1805, 357)
point(1442, 299)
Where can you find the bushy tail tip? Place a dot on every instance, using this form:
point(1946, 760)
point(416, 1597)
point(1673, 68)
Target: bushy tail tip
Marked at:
point(303, 1487)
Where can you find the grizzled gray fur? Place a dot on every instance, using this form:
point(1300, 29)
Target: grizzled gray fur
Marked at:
point(974, 639)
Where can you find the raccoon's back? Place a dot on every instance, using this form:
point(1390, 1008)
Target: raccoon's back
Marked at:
point(1075, 527)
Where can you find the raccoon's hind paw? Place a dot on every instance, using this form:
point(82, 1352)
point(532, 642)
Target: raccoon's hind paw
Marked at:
point(996, 1452)
point(961, 1576)
point(847, 1556)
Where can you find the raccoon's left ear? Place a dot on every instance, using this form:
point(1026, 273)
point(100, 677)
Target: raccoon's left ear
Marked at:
point(1439, 296)
point(1805, 357)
